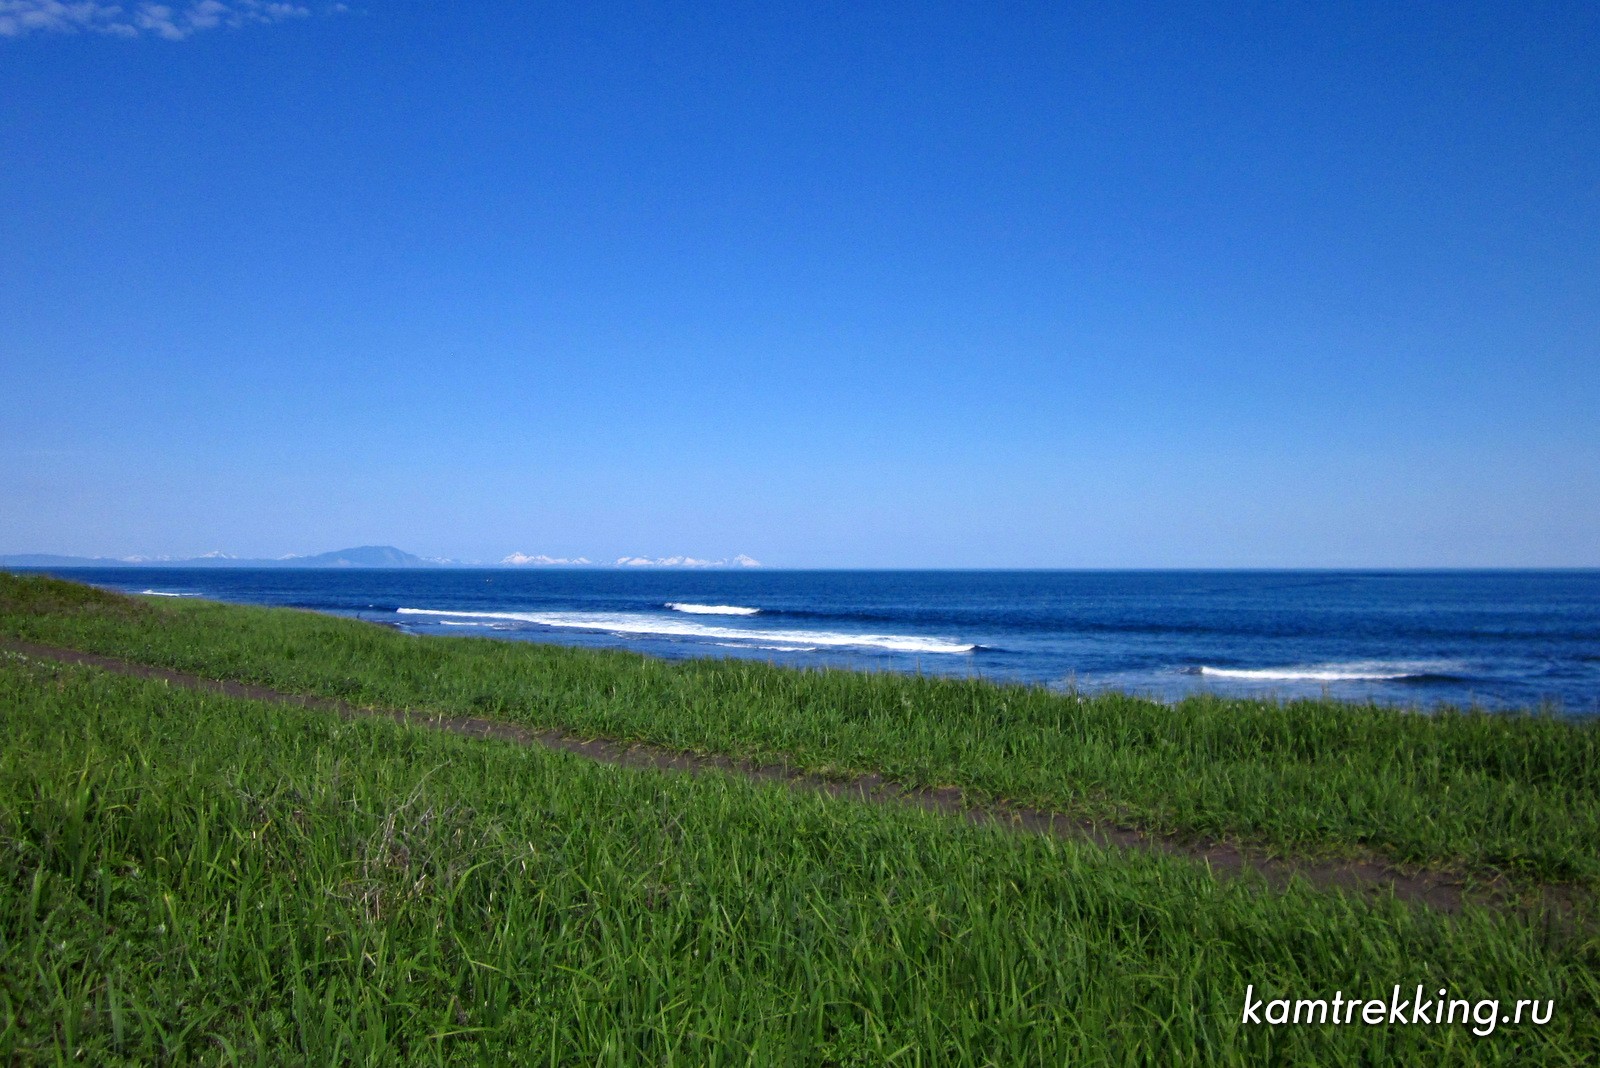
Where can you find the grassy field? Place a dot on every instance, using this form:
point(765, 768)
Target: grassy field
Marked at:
point(1515, 797)
point(186, 878)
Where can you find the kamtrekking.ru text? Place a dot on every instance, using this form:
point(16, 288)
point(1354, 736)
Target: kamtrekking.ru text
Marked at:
point(1416, 1009)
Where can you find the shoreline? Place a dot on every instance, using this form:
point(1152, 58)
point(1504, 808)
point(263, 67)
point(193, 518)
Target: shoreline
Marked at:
point(1159, 636)
point(1480, 794)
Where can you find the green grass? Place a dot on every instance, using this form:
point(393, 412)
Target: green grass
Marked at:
point(186, 878)
point(1494, 795)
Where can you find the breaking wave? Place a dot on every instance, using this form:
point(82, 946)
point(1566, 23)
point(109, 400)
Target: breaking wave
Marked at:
point(1371, 671)
point(712, 609)
point(774, 648)
point(629, 623)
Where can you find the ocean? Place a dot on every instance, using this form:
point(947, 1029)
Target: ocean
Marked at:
point(1492, 639)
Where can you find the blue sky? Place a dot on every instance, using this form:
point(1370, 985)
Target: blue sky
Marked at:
point(937, 285)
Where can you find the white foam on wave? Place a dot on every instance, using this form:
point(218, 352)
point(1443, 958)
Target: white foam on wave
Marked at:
point(712, 609)
point(165, 593)
point(774, 648)
point(1364, 671)
point(623, 623)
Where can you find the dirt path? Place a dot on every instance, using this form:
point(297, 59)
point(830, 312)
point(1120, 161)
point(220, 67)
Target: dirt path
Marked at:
point(1373, 877)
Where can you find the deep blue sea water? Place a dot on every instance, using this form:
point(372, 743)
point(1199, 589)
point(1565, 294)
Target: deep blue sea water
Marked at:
point(1497, 639)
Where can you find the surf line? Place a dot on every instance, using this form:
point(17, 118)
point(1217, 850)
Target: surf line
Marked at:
point(712, 609)
point(635, 623)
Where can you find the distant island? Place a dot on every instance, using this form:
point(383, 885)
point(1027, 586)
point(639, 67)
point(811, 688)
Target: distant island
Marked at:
point(361, 556)
point(369, 556)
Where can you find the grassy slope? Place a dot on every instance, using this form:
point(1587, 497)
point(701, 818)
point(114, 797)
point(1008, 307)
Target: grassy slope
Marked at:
point(184, 876)
point(1479, 793)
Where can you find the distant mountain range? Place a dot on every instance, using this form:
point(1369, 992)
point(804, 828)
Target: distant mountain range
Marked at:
point(524, 560)
point(386, 556)
point(361, 556)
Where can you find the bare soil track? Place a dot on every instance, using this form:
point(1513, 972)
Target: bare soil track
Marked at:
point(1368, 876)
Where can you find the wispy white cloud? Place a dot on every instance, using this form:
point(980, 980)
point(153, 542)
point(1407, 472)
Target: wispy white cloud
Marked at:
point(171, 21)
